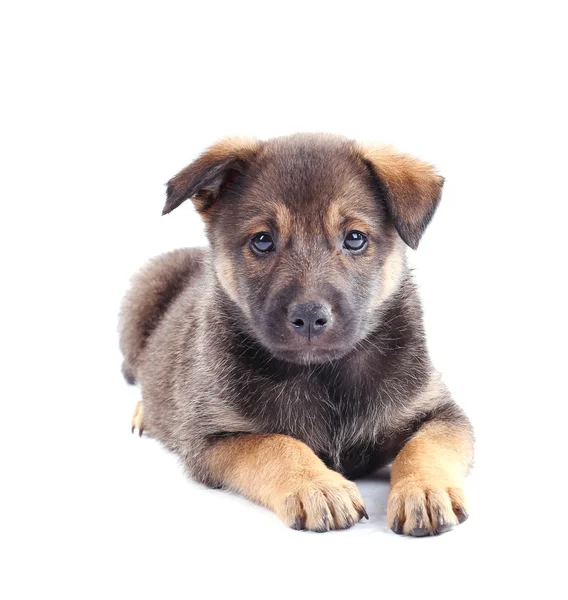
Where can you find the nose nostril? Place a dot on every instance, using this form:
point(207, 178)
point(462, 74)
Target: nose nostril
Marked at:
point(310, 319)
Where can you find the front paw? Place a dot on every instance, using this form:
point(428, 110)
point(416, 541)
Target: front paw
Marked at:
point(421, 508)
point(320, 503)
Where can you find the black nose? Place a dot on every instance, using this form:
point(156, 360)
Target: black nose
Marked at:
point(309, 319)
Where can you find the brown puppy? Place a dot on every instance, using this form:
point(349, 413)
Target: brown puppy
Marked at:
point(291, 354)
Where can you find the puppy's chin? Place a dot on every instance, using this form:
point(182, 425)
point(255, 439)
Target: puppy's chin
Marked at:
point(309, 354)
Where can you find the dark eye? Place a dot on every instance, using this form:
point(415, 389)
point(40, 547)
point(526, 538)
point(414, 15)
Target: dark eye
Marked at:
point(262, 243)
point(355, 240)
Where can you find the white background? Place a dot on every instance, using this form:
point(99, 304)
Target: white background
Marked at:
point(102, 103)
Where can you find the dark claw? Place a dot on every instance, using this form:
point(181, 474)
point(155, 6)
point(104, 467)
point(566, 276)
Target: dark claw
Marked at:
point(363, 513)
point(443, 527)
point(298, 526)
point(132, 430)
point(141, 431)
point(396, 526)
point(350, 521)
point(325, 527)
point(419, 532)
point(461, 514)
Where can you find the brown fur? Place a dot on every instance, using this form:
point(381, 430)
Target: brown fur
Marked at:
point(162, 280)
point(229, 153)
point(413, 189)
point(246, 402)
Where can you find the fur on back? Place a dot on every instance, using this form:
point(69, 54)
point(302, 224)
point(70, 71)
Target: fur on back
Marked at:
point(152, 291)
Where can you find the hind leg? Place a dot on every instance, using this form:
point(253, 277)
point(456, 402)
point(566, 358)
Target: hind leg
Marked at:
point(154, 288)
point(137, 420)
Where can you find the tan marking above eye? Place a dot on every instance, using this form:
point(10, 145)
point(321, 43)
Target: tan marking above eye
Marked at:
point(356, 225)
point(284, 220)
point(258, 227)
point(277, 216)
point(341, 217)
point(333, 219)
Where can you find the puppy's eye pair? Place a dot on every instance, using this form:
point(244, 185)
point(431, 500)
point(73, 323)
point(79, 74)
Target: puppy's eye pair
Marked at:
point(262, 243)
point(354, 241)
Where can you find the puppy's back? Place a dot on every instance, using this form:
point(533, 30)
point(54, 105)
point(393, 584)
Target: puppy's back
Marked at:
point(152, 292)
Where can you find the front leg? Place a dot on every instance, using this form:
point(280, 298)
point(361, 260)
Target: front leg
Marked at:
point(427, 496)
point(286, 476)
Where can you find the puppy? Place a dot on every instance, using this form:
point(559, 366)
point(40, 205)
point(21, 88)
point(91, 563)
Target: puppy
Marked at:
point(289, 357)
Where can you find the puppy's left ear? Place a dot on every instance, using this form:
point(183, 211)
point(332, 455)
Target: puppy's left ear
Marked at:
point(411, 189)
point(206, 177)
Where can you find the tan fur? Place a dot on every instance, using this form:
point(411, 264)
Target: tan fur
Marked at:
point(225, 149)
point(427, 480)
point(343, 216)
point(412, 181)
point(258, 226)
point(286, 476)
point(137, 421)
point(226, 275)
point(284, 219)
point(233, 145)
point(392, 272)
point(357, 225)
point(332, 219)
point(413, 186)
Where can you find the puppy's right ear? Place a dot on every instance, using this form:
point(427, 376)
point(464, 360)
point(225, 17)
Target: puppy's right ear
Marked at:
point(204, 179)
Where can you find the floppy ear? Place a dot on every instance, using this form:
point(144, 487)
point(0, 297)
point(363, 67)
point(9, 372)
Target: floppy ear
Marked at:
point(411, 188)
point(204, 179)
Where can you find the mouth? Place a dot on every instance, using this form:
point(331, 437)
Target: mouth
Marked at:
point(309, 353)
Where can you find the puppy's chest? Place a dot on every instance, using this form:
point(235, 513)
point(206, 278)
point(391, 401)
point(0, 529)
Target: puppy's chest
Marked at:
point(345, 427)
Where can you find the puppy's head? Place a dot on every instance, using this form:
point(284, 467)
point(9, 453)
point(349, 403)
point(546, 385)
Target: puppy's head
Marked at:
point(307, 234)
